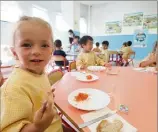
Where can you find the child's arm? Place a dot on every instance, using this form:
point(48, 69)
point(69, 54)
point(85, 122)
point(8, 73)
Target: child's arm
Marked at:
point(31, 128)
point(16, 111)
point(149, 60)
point(80, 64)
point(101, 61)
point(42, 118)
point(146, 63)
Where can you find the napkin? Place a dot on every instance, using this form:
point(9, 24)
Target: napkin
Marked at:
point(92, 115)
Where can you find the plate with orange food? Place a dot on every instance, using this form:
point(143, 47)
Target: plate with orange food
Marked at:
point(87, 77)
point(88, 99)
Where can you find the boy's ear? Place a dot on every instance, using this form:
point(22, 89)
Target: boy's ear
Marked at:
point(14, 53)
point(82, 45)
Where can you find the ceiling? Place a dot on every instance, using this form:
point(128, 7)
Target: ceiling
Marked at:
point(94, 2)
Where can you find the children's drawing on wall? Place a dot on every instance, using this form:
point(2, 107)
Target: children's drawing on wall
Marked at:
point(133, 19)
point(150, 21)
point(113, 27)
point(140, 38)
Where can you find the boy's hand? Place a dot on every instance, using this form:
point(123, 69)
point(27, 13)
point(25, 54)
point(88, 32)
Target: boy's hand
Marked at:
point(83, 67)
point(44, 116)
point(52, 90)
point(108, 65)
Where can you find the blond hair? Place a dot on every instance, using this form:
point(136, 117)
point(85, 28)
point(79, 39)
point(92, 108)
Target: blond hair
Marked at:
point(29, 19)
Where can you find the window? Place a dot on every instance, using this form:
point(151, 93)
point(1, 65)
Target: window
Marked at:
point(83, 25)
point(10, 11)
point(60, 24)
point(40, 12)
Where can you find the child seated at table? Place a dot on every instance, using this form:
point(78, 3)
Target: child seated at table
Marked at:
point(124, 45)
point(126, 53)
point(97, 49)
point(27, 100)
point(87, 57)
point(104, 51)
point(150, 60)
point(59, 51)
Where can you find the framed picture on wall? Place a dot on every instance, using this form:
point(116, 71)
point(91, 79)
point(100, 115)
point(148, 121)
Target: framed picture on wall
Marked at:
point(140, 38)
point(113, 27)
point(133, 19)
point(150, 21)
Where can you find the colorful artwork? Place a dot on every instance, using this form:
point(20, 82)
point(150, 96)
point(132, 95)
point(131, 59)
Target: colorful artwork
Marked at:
point(113, 27)
point(133, 19)
point(140, 38)
point(150, 22)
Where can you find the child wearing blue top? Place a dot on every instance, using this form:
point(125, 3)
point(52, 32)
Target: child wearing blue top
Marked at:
point(75, 44)
point(59, 51)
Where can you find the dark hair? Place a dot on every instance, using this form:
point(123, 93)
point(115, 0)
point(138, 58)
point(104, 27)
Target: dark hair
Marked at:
point(97, 44)
point(84, 39)
point(125, 44)
point(105, 43)
point(129, 43)
point(70, 31)
point(58, 43)
point(77, 37)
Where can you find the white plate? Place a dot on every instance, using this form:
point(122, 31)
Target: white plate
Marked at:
point(97, 99)
point(82, 77)
point(151, 69)
point(147, 69)
point(96, 68)
point(139, 69)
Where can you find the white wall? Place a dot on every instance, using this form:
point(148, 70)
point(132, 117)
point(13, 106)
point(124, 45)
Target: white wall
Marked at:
point(115, 11)
point(84, 14)
point(26, 7)
point(70, 10)
point(77, 9)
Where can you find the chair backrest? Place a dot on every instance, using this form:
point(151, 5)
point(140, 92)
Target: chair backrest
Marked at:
point(72, 66)
point(54, 76)
point(113, 55)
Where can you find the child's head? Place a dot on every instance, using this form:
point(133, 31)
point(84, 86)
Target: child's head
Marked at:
point(76, 39)
point(58, 43)
point(97, 44)
point(129, 43)
point(70, 32)
point(105, 44)
point(125, 44)
point(32, 44)
point(86, 43)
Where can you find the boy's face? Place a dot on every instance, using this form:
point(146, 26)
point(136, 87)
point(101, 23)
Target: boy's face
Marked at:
point(76, 40)
point(88, 47)
point(33, 46)
point(105, 46)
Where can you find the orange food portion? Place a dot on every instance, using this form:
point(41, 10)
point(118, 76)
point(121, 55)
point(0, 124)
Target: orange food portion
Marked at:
point(81, 97)
point(89, 77)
